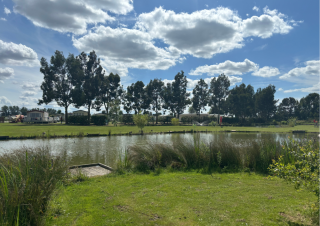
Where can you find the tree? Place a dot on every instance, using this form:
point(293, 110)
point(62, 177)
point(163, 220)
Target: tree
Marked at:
point(89, 83)
point(14, 110)
point(219, 90)
point(140, 120)
point(168, 103)
point(180, 96)
point(5, 110)
point(200, 96)
point(24, 111)
point(240, 101)
point(288, 108)
point(51, 111)
point(114, 110)
point(155, 93)
point(191, 110)
point(135, 98)
point(265, 104)
point(309, 106)
point(111, 90)
point(59, 112)
point(58, 80)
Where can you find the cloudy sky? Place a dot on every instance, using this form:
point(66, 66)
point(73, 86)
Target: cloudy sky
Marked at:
point(254, 42)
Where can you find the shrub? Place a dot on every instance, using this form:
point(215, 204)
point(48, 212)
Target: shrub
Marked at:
point(175, 121)
point(28, 178)
point(140, 120)
point(292, 122)
point(127, 119)
point(213, 123)
point(81, 120)
point(284, 122)
point(99, 120)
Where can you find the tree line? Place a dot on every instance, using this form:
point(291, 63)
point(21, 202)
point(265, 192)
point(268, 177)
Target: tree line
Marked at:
point(81, 81)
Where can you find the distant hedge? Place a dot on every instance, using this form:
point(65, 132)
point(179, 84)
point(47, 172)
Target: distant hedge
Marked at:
point(81, 120)
point(99, 120)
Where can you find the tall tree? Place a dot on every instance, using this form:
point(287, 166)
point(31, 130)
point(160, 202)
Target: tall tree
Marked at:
point(168, 103)
point(24, 110)
point(219, 90)
point(265, 104)
point(14, 110)
point(58, 80)
point(155, 91)
point(88, 86)
point(111, 90)
point(191, 110)
point(200, 96)
point(135, 98)
point(180, 96)
point(240, 101)
point(309, 106)
point(288, 107)
point(5, 110)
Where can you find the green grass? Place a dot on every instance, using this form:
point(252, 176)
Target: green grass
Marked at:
point(180, 198)
point(26, 130)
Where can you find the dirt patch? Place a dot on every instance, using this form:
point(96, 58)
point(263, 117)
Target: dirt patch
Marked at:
point(121, 208)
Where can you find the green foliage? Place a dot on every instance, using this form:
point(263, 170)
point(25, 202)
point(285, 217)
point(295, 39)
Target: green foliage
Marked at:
point(212, 123)
point(127, 119)
point(175, 121)
point(265, 104)
point(292, 122)
point(284, 122)
point(200, 96)
point(28, 178)
point(78, 176)
point(219, 89)
point(99, 120)
point(80, 120)
point(140, 120)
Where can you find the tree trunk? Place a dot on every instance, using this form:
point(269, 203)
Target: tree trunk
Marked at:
point(89, 114)
point(66, 115)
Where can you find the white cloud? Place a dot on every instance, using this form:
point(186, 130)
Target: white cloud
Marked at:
point(5, 101)
point(30, 86)
point(311, 69)
point(280, 89)
point(261, 47)
point(255, 8)
point(31, 101)
point(247, 14)
point(69, 15)
point(28, 93)
point(123, 48)
point(228, 68)
point(6, 73)
point(266, 72)
point(313, 89)
point(6, 10)
point(17, 55)
point(208, 32)
point(4, 19)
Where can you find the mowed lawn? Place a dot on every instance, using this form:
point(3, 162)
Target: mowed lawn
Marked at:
point(20, 129)
point(181, 198)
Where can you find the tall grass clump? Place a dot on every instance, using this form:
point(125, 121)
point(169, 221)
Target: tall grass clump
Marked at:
point(216, 156)
point(27, 180)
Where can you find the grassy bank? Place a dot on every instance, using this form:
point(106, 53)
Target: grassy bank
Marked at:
point(181, 198)
point(51, 130)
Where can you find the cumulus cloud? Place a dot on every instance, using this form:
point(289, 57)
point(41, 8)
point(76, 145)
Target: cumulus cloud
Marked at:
point(266, 72)
point(123, 48)
point(7, 11)
point(30, 86)
point(29, 100)
point(280, 89)
point(228, 68)
point(17, 55)
point(208, 32)
point(4, 19)
point(28, 93)
point(311, 69)
point(5, 101)
point(255, 8)
point(6, 73)
point(69, 15)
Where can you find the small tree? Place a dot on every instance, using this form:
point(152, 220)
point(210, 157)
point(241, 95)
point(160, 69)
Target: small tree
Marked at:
point(140, 120)
point(175, 121)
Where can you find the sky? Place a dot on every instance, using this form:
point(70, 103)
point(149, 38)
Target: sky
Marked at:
point(253, 42)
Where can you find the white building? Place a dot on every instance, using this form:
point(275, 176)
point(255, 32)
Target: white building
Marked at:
point(38, 117)
point(80, 113)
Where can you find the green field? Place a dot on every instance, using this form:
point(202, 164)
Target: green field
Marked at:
point(181, 198)
point(20, 129)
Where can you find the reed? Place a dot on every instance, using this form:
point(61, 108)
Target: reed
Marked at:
point(28, 178)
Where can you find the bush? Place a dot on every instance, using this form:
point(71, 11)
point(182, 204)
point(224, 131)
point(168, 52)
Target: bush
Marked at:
point(175, 121)
point(81, 120)
point(283, 122)
point(292, 122)
point(99, 120)
point(140, 120)
point(213, 123)
point(28, 178)
point(127, 119)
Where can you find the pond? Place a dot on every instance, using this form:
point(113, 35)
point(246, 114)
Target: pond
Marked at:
point(107, 149)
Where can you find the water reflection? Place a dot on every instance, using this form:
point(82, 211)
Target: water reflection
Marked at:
point(107, 149)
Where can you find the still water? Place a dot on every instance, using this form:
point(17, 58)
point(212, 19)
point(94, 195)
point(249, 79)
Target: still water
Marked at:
point(107, 149)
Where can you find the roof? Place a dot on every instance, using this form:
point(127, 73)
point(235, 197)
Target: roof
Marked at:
point(79, 110)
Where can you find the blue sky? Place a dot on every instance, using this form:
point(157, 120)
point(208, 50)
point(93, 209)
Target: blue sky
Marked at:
point(254, 42)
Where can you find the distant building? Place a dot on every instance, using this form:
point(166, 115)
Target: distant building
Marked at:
point(38, 117)
point(80, 113)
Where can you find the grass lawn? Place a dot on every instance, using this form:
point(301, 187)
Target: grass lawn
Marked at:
point(180, 198)
point(20, 129)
